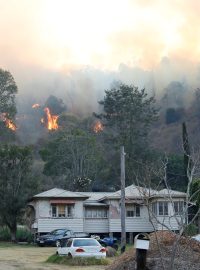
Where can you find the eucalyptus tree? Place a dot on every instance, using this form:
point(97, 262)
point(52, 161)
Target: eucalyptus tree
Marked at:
point(73, 155)
point(128, 114)
point(8, 90)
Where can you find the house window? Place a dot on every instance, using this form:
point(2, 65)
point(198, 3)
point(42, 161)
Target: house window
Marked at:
point(137, 211)
point(163, 208)
point(105, 213)
point(130, 213)
point(88, 213)
point(154, 208)
point(178, 208)
point(133, 211)
point(62, 210)
point(96, 213)
point(69, 210)
point(54, 211)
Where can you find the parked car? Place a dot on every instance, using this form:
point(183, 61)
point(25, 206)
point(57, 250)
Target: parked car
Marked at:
point(55, 237)
point(109, 241)
point(196, 237)
point(82, 247)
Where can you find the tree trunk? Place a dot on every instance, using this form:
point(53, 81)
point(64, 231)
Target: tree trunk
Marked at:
point(13, 231)
point(187, 159)
point(198, 222)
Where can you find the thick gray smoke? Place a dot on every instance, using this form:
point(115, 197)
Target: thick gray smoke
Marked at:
point(81, 89)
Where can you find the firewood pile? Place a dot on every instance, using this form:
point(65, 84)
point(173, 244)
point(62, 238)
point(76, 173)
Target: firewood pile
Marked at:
point(187, 254)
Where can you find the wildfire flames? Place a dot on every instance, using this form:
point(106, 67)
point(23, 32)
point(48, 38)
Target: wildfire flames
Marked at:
point(8, 122)
point(51, 120)
point(34, 106)
point(98, 127)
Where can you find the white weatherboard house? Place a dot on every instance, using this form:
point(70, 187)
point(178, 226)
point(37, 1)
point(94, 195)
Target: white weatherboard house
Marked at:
point(99, 212)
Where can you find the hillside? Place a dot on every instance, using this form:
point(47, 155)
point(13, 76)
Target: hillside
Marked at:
point(168, 137)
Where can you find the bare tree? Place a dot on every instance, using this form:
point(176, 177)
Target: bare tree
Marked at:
point(175, 216)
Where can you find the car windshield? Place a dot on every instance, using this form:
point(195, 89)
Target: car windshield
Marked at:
point(85, 242)
point(56, 232)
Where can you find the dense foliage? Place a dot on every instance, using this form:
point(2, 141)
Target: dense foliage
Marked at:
point(176, 172)
point(16, 183)
point(8, 90)
point(74, 156)
point(128, 113)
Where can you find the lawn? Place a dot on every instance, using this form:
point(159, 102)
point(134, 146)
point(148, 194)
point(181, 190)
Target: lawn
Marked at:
point(29, 257)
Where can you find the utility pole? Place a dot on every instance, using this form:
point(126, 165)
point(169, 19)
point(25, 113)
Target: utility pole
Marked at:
point(123, 209)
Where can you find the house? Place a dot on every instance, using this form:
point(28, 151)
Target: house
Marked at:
point(99, 212)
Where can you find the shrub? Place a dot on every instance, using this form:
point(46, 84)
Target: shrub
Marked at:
point(22, 235)
point(4, 234)
point(191, 230)
point(78, 261)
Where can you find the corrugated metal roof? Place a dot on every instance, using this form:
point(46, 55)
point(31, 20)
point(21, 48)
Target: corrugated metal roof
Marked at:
point(165, 192)
point(95, 196)
point(131, 192)
point(51, 192)
point(60, 193)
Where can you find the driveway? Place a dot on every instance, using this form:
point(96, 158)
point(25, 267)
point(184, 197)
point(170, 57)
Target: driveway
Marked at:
point(28, 258)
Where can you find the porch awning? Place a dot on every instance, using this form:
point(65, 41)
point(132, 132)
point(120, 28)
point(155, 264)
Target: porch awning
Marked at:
point(140, 202)
point(95, 204)
point(62, 202)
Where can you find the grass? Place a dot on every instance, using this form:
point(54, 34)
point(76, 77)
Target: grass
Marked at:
point(77, 261)
point(128, 247)
point(7, 244)
point(13, 245)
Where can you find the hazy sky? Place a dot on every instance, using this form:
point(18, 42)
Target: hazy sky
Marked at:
point(102, 33)
point(107, 35)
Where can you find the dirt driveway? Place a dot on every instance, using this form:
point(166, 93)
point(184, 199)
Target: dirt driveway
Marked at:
point(28, 258)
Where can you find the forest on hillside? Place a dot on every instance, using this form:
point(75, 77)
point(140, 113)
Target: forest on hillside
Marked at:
point(77, 152)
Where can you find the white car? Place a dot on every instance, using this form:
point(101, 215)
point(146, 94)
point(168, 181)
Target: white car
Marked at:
point(196, 237)
point(82, 247)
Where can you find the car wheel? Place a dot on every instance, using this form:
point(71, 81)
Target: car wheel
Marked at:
point(69, 255)
point(58, 243)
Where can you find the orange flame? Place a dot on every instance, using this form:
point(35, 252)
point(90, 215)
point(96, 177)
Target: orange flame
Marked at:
point(8, 122)
point(51, 120)
point(36, 105)
point(98, 127)
point(10, 125)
